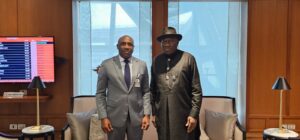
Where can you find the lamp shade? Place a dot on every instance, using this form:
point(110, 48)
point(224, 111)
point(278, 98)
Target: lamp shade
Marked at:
point(281, 84)
point(36, 83)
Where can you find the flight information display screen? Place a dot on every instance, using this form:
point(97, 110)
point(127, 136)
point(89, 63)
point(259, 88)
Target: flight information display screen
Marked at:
point(22, 58)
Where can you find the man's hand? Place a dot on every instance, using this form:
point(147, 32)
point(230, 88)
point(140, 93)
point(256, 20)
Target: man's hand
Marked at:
point(145, 122)
point(190, 124)
point(106, 125)
point(153, 120)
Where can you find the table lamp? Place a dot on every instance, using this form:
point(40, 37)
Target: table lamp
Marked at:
point(37, 84)
point(281, 84)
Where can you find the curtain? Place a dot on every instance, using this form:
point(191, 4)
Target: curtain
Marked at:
point(97, 25)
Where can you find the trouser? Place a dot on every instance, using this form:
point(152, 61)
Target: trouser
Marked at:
point(132, 132)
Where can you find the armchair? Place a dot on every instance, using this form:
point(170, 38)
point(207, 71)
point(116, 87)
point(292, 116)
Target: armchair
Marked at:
point(79, 104)
point(86, 103)
point(221, 104)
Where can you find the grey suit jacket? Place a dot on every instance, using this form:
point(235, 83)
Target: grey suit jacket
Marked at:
point(114, 100)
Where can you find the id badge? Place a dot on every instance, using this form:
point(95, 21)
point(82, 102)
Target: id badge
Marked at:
point(137, 83)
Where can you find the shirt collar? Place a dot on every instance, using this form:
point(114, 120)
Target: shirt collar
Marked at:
point(122, 59)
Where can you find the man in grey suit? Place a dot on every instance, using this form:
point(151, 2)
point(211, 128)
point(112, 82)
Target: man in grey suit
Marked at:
point(123, 97)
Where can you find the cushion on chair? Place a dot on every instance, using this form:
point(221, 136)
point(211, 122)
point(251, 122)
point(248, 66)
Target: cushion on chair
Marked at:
point(79, 124)
point(219, 126)
point(96, 132)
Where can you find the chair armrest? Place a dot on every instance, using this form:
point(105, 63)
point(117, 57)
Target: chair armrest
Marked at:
point(203, 135)
point(15, 137)
point(150, 134)
point(239, 132)
point(66, 132)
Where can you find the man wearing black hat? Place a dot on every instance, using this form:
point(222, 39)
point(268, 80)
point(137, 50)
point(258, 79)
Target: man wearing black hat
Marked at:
point(176, 93)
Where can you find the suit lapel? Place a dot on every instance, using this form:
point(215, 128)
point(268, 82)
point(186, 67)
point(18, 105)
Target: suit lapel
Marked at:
point(118, 69)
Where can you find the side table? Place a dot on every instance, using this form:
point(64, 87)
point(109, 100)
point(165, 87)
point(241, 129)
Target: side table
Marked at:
point(45, 132)
point(274, 134)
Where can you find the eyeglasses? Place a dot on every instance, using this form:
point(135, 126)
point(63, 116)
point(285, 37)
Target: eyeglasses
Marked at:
point(169, 41)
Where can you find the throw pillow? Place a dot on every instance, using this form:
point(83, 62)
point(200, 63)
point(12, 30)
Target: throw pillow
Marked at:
point(79, 124)
point(96, 132)
point(219, 126)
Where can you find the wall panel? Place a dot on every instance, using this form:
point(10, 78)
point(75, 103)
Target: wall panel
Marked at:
point(52, 18)
point(294, 57)
point(159, 20)
point(8, 16)
point(266, 53)
point(40, 18)
point(273, 50)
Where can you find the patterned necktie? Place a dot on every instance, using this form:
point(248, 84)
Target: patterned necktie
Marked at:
point(127, 73)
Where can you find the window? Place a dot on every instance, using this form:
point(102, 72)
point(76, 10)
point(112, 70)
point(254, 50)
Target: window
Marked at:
point(214, 31)
point(97, 26)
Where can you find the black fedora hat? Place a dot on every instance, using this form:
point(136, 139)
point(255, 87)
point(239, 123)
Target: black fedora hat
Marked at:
point(169, 32)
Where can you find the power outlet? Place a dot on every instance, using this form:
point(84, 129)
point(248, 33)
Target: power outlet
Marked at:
point(21, 126)
point(291, 126)
point(13, 126)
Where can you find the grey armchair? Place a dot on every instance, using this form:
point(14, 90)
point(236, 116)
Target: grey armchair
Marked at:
point(222, 104)
point(86, 103)
point(79, 104)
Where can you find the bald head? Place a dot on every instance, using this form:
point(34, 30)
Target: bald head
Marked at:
point(125, 46)
point(125, 37)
